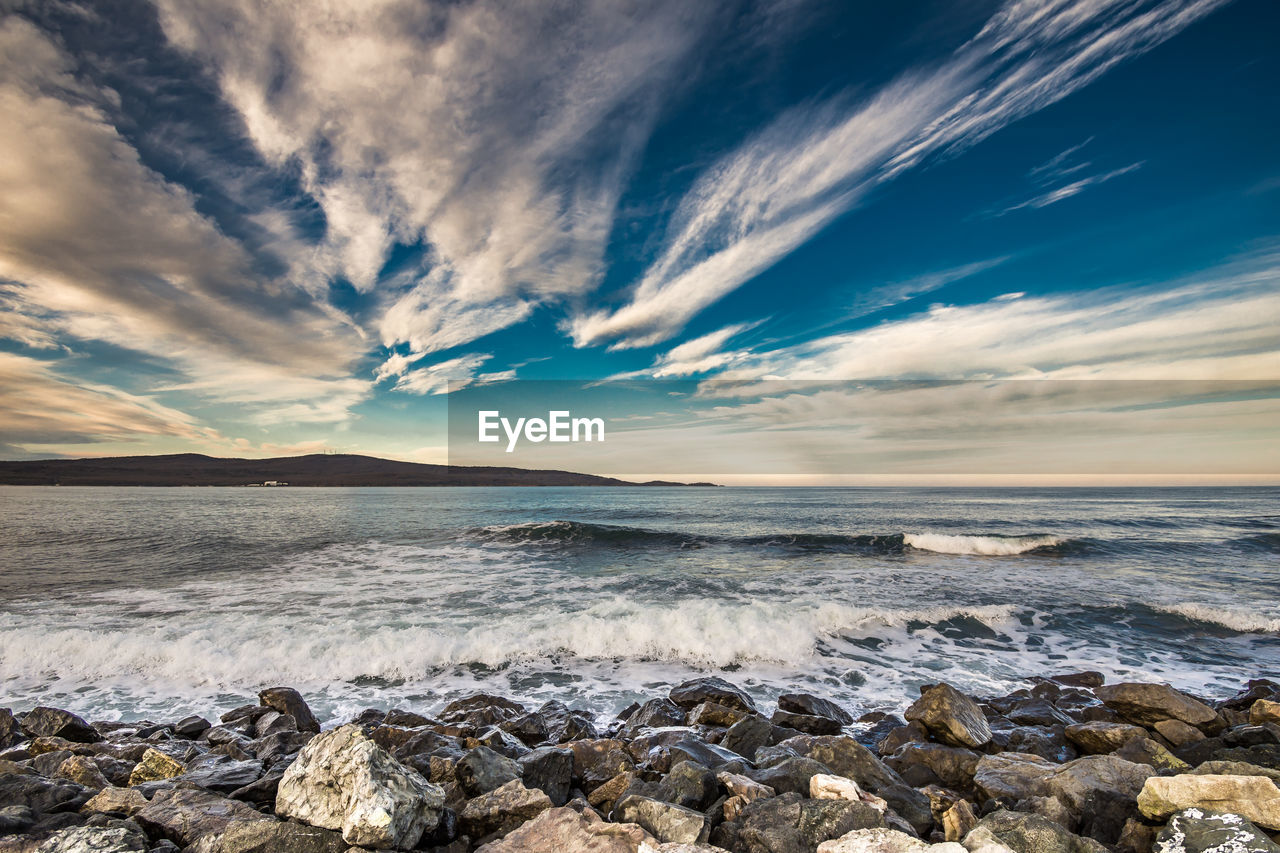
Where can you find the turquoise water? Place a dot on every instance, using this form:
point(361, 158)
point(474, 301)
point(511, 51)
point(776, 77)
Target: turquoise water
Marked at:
point(128, 603)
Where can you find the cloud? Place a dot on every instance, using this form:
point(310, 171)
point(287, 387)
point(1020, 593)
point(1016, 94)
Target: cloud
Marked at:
point(526, 122)
point(1062, 170)
point(96, 247)
point(763, 200)
point(436, 379)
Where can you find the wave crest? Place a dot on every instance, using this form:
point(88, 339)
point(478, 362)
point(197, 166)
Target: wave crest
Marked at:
point(983, 546)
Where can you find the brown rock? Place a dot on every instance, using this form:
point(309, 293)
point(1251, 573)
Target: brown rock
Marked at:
point(951, 716)
point(564, 830)
point(1148, 704)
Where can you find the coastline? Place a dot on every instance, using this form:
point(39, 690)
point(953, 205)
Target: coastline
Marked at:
point(1067, 763)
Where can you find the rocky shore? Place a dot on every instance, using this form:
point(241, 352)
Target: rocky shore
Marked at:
point(1066, 765)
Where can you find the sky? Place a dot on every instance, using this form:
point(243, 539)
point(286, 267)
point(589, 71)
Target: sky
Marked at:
point(259, 229)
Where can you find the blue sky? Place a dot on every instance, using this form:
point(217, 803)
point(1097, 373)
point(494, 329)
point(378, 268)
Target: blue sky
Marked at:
point(259, 229)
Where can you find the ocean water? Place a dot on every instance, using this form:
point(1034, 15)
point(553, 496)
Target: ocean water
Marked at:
point(136, 603)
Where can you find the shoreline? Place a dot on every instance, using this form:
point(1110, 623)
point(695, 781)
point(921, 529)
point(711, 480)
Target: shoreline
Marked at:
point(1066, 763)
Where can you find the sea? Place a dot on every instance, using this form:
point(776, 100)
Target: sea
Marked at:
point(155, 603)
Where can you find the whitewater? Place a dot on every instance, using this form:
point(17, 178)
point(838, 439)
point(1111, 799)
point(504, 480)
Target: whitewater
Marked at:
point(117, 602)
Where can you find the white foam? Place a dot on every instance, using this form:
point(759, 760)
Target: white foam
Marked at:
point(985, 546)
point(1244, 621)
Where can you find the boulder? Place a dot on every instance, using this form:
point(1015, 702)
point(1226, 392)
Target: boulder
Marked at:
point(950, 716)
point(83, 770)
point(1200, 831)
point(1099, 738)
point(814, 706)
point(494, 814)
point(342, 780)
point(824, 786)
point(1148, 704)
point(844, 756)
point(1178, 733)
point(793, 775)
point(563, 830)
point(1255, 798)
point(286, 700)
point(14, 819)
point(654, 714)
point(270, 836)
point(949, 766)
point(597, 761)
point(54, 722)
point(10, 731)
point(154, 766)
point(481, 709)
point(41, 795)
point(884, 841)
point(958, 820)
point(124, 801)
point(95, 839)
point(1036, 712)
point(550, 770)
point(807, 723)
point(191, 727)
point(741, 786)
point(482, 770)
point(716, 715)
point(221, 774)
point(1031, 833)
point(689, 784)
point(185, 814)
point(790, 823)
point(747, 736)
point(1264, 711)
point(564, 725)
point(1144, 750)
point(665, 821)
point(699, 690)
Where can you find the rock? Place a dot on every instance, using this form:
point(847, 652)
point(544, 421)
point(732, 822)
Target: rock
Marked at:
point(827, 787)
point(1143, 750)
point(529, 728)
point(1016, 776)
point(809, 724)
point(481, 709)
point(54, 722)
point(1200, 831)
point(1255, 798)
point(154, 766)
point(14, 819)
point(286, 700)
point(1089, 678)
point(550, 770)
point(263, 791)
point(747, 736)
point(716, 715)
point(699, 690)
point(1031, 833)
point(185, 814)
point(606, 796)
point(564, 725)
point(499, 811)
point(482, 770)
point(82, 770)
point(665, 821)
point(279, 744)
point(342, 780)
point(221, 774)
point(499, 740)
point(274, 722)
point(1099, 738)
point(689, 784)
point(1136, 837)
point(1036, 712)
point(1236, 768)
point(597, 761)
point(41, 795)
point(125, 801)
point(270, 836)
point(897, 736)
point(883, 841)
point(790, 823)
point(1178, 733)
point(1255, 689)
point(958, 820)
point(950, 716)
point(654, 714)
point(406, 719)
point(741, 786)
point(793, 775)
point(814, 706)
point(1264, 711)
point(1148, 704)
point(949, 766)
point(10, 731)
point(191, 727)
point(93, 839)
point(563, 830)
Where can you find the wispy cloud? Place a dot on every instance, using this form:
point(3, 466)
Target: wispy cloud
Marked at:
point(451, 374)
point(814, 163)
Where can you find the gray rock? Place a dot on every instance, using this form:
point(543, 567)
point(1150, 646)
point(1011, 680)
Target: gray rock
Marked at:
point(342, 780)
point(184, 815)
point(1148, 704)
point(747, 736)
point(1031, 833)
point(814, 706)
point(270, 836)
point(665, 821)
point(699, 690)
point(951, 717)
point(494, 814)
point(1200, 831)
point(789, 823)
point(481, 709)
point(286, 700)
point(221, 774)
point(54, 722)
point(550, 770)
point(482, 770)
point(564, 830)
point(92, 839)
point(564, 725)
point(791, 775)
point(16, 818)
point(654, 714)
point(689, 784)
point(191, 727)
point(807, 723)
point(599, 760)
point(41, 795)
point(922, 764)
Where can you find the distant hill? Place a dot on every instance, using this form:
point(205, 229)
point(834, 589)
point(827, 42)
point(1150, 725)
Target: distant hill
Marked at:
point(194, 469)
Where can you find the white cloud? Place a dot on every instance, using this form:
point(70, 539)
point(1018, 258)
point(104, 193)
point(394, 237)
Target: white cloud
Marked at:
point(761, 201)
point(435, 379)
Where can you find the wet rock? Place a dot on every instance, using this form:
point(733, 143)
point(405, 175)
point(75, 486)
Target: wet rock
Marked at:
point(154, 766)
point(286, 700)
point(245, 715)
point(530, 729)
point(481, 709)
point(191, 727)
point(949, 766)
point(550, 770)
point(747, 736)
point(1031, 833)
point(807, 723)
point(563, 830)
point(221, 774)
point(814, 706)
point(1255, 689)
point(406, 719)
point(274, 722)
point(14, 819)
point(689, 784)
point(1148, 704)
point(501, 810)
point(427, 743)
point(270, 836)
point(950, 716)
point(54, 722)
point(1201, 831)
point(654, 714)
point(1037, 712)
point(184, 815)
point(125, 801)
point(1098, 738)
point(342, 780)
point(82, 770)
point(274, 746)
point(1144, 750)
point(1255, 798)
point(41, 795)
point(715, 714)
point(896, 737)
point(482, 770)
point(1178, 733)
point(707, 754)
point(793, 775)
point(1046, 742)
point(789, 824)
point(666, 822)
point(564, 725)
point(10, 731)
point(91, 839)
point(699, 690)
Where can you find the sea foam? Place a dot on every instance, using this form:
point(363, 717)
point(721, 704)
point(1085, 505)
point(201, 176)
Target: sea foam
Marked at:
point(985, 546)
